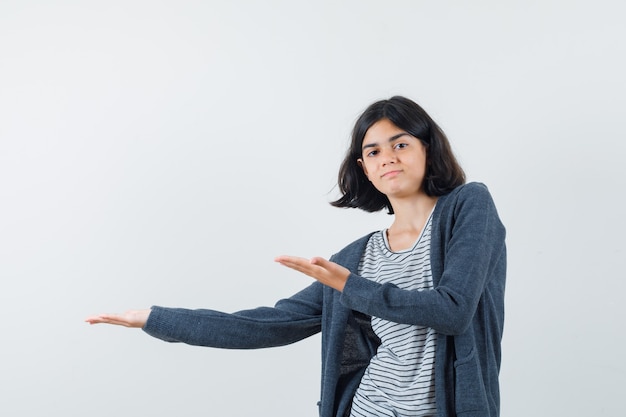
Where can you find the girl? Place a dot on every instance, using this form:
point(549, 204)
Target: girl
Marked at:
point(411, 316)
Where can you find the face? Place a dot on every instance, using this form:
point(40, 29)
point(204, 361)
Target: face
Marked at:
point(393, 160)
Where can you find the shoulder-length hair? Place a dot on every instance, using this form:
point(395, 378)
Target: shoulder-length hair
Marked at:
point(443, 172)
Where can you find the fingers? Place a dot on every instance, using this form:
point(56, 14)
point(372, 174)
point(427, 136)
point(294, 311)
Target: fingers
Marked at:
point(322, 263)
point(93, 320)
point(326, 272)
point(108, 319)
point(300, 264)
point(131, 318)
point(291, 260)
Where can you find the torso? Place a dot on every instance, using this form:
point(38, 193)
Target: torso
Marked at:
point(400, 378)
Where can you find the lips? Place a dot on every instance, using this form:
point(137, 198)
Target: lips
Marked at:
point(391, 174)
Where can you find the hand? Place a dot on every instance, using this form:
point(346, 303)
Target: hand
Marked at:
point(327, 272)
point(131, 318)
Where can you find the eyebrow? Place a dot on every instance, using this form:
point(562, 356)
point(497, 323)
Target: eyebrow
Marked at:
point(391, 139)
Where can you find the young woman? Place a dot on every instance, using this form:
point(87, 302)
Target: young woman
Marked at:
point(411, 316)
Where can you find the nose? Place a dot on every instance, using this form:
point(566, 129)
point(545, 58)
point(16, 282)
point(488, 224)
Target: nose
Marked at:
point(388, 157)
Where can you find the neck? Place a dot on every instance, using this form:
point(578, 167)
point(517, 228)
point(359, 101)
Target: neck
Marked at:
point(410, 215)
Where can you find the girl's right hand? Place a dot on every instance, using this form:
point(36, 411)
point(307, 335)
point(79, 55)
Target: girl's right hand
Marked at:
point(131, 318)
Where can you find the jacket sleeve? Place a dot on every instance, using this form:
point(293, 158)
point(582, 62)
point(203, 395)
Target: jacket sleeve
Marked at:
point(472, 251)
point(290, 320)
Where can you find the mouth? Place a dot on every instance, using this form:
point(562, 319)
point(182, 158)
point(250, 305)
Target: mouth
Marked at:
point(391, 174)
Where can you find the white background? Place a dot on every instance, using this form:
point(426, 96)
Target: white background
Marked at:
point(158, 152)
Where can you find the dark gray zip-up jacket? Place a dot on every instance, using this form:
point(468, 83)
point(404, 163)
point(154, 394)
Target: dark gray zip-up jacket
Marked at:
point(466, 308)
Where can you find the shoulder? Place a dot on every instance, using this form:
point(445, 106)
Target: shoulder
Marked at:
point(470, 194)
point(471, 190)
point(469, 201)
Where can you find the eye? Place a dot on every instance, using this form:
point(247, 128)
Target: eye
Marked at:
point(401, 145)
point(372, 153)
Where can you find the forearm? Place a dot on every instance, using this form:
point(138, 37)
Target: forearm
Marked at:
point(250, 329)
point(290, 320)
point(440, 309)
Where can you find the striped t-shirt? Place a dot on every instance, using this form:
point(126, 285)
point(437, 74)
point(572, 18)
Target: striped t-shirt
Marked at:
point(400, 378)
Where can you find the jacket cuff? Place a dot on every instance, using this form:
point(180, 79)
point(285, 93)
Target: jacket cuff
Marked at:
point(158, 324)
point(357, 292)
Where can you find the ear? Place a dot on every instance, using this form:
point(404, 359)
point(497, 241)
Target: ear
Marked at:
point(362, 165)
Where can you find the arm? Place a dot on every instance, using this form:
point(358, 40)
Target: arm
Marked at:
point(290, 320)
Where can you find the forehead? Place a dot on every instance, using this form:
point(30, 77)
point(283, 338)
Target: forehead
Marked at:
point(381, 131)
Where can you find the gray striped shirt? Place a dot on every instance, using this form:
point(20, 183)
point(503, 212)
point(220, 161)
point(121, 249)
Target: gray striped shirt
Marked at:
point(400, 379)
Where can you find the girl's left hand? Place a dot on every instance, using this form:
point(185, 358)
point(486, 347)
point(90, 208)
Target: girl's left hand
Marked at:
point(327, 272)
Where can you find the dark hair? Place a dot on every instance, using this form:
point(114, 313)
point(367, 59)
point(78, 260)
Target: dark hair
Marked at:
point(443, 172)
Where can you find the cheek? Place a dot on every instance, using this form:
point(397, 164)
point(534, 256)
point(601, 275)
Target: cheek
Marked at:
point(369, 169)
